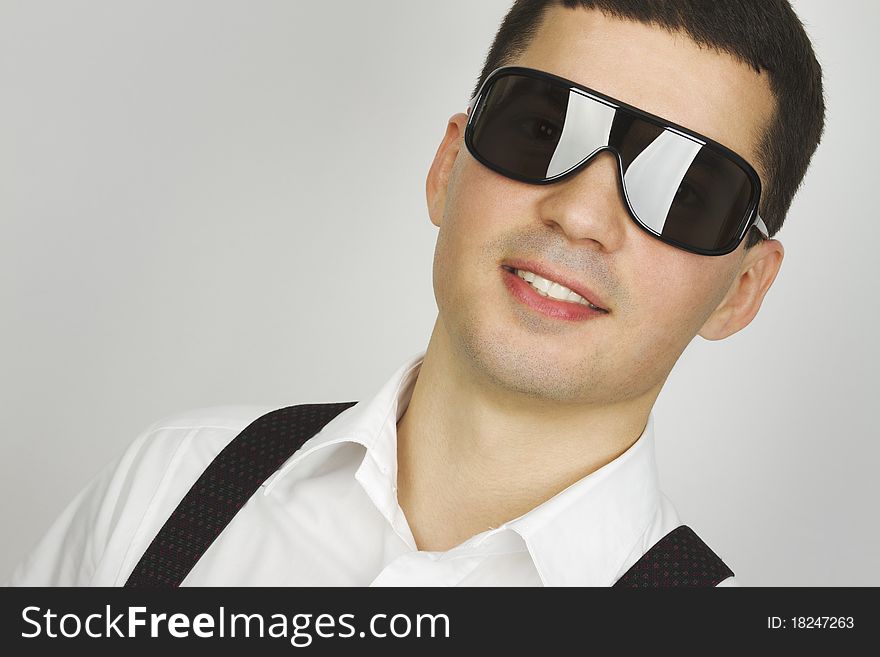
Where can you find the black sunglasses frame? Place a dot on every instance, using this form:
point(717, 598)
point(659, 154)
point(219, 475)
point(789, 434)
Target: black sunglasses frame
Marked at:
point(750, 217)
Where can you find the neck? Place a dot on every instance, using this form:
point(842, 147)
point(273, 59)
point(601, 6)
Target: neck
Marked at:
point(472, 456)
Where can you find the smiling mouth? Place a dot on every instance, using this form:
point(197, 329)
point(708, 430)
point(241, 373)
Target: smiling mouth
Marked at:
point(547, 304)
point(551, 289)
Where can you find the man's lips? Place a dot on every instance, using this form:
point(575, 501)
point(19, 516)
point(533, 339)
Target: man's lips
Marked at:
point(558, 277)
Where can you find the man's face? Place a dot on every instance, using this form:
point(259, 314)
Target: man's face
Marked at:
point(659, 296)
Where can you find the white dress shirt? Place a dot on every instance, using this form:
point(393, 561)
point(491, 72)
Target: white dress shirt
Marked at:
point(330, 516)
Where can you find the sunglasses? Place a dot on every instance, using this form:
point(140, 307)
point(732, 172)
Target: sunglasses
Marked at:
point(679, 186)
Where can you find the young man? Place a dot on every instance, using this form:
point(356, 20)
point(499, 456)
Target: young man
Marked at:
point(517, 449)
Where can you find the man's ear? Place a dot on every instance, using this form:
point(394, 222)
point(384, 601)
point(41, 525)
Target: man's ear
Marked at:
point(758, 270)
point(437, 184)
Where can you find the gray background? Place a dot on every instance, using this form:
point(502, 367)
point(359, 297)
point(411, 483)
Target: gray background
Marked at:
point(210, 203)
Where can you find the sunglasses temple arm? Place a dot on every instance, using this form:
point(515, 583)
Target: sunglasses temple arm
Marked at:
point(761, 226)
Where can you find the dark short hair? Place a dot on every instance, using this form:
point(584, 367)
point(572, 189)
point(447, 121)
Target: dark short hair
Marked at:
point(765, 34)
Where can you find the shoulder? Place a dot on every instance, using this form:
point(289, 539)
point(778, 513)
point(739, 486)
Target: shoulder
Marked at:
point(668, 532)
point(167, 457)
point(195, 435)
point(122, 507)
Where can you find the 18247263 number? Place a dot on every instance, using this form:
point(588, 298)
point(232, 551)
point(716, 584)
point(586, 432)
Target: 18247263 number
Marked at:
point(810, 622)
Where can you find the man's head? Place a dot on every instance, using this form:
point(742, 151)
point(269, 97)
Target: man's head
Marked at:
point(731, 71)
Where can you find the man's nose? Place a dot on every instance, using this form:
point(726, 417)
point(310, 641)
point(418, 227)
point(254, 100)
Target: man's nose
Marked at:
point(588, 204)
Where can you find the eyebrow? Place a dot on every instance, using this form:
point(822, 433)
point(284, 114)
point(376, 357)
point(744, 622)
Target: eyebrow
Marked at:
point(709, 163)
point(556, 104)
point(557, 100)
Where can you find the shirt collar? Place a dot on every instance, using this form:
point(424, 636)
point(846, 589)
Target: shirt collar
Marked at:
point(582, 535)
point(578, 537)
point(371, 423)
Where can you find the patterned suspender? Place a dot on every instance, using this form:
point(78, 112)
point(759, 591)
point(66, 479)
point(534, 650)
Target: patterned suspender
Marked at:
point(229, 481)
point(680, 558)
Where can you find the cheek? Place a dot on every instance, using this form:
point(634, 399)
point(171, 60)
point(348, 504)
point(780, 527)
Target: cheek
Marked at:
point(479, 211)
point(675, 296)
point(456, 240)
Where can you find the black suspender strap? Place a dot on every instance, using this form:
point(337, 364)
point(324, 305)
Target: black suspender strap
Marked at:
point(229, 481)
point(679, 559)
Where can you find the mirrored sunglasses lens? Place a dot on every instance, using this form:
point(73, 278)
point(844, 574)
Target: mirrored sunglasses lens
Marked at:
point(520, 124)
point(687, 192)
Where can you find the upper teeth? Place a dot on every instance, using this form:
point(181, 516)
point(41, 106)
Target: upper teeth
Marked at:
point(552, 289)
